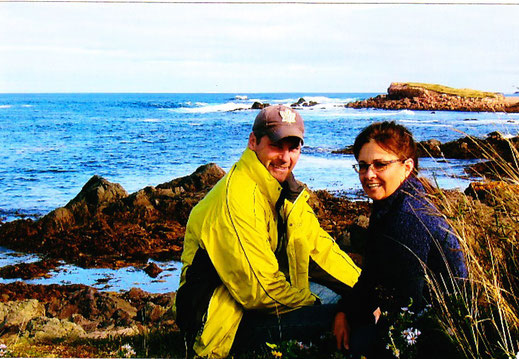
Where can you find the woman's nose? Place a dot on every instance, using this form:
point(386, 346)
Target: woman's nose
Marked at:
point(370, 172)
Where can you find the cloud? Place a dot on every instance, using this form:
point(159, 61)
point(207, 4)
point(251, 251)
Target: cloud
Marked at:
point(187, 47)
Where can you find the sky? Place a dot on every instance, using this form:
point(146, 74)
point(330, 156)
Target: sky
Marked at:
point(222, 47)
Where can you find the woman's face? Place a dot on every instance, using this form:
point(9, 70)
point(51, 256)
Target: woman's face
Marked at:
point(382, 182)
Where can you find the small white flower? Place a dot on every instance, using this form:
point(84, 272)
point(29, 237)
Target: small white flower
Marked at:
point(517, 355)
point(411, 335)
point(3, 350)
point(128, 350)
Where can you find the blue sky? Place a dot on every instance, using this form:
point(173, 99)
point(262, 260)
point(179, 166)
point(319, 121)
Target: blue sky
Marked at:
point(78, 47)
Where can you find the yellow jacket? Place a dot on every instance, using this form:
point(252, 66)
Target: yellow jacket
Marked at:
point(236, 224)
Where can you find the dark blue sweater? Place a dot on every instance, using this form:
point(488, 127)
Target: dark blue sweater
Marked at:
point(405, 232)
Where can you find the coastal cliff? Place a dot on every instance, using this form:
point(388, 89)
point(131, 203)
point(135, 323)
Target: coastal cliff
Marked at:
point(431, 97)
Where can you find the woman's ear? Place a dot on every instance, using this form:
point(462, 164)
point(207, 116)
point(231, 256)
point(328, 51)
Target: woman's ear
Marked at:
point(408, 166)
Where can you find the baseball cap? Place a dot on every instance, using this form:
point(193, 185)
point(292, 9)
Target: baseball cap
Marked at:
point(278, 122)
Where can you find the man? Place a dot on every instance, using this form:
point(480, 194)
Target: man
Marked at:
point(248, 247)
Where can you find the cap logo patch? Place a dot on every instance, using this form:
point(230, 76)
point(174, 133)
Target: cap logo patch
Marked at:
point(287, 116)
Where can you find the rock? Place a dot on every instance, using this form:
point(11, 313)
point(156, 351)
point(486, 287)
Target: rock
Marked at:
point(151, 313)
point(136, 295)
point(398, 91)
point(493, 146)
point(104, 226)
point(51, 329)
point(348, 150)
point(303, 103)
point(153, 270)
point(430, 148)
point(17, 314)
point(95, 195)
point(486, 192)
point(29, 270)
point(258, 105)
point(431, 97)
point(87, 325)
point(68, 313)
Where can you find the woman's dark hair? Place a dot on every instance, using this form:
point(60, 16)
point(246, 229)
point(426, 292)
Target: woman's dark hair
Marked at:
point(391, 137)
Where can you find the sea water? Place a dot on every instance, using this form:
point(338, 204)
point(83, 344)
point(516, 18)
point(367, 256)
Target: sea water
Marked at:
point(53, 143)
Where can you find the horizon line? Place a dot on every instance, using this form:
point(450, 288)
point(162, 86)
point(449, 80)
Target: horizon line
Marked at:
point(263, 2)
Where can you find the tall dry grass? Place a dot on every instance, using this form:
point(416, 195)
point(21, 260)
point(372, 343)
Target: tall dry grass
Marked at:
point(481, 314)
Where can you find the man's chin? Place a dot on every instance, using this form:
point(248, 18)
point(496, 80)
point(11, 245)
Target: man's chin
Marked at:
point(281, 176)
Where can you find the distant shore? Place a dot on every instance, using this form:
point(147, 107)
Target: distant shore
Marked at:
point(432, 97)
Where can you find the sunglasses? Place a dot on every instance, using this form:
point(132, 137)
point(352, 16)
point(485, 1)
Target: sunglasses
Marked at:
point(378, 166)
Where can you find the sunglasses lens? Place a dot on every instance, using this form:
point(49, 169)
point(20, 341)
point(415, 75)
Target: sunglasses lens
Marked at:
point(379, 166)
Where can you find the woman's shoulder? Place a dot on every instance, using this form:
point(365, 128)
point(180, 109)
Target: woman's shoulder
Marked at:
point(416, 205)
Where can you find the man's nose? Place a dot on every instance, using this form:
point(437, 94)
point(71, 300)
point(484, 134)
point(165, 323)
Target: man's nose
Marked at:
point(285, 155)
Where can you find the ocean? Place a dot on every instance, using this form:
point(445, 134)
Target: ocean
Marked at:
point(53, 143)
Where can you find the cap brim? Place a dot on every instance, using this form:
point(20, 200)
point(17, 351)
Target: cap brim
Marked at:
point(284, 132)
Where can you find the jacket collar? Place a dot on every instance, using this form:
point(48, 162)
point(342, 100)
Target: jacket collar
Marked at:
point(251, 165)
point(411, 186)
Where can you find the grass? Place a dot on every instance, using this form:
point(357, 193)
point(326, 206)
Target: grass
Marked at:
point(453, 91)
point(481, 316)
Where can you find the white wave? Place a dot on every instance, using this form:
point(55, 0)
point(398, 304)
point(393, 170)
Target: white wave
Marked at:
point(420, 121)
point(152, 120)
point(27, 106)
point(225, 107)
point(5, 106)
point(406, 112)
point(323, 102)
point(241, 97)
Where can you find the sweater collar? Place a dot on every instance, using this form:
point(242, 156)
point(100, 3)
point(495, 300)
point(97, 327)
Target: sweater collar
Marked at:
point(267, 184)
point(410, 186)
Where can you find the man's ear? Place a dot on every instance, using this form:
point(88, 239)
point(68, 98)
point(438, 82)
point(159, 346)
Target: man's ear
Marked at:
point(252, 141)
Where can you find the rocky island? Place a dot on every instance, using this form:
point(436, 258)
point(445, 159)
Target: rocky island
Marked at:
point(432, 97)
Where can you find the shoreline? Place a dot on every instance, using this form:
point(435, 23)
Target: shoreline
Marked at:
point(432, 97)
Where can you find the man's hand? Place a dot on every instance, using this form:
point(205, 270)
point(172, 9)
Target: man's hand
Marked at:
point(341, 330)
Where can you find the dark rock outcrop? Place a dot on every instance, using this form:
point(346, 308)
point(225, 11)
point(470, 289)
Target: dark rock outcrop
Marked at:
point(469, 147)
point(46, 313)
point(28, 270)
point(153, 270)
point(259, 106)
point(104, 226)
point(491, 191)
point(303, 103)
point(403, 96)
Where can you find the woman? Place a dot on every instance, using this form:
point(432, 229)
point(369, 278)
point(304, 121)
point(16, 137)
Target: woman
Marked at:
point(406, 234)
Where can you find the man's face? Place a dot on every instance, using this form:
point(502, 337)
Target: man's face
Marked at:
point(280, 157)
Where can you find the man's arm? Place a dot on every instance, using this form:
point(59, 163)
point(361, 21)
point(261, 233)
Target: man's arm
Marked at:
point(238, 244)
point(326, 252)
